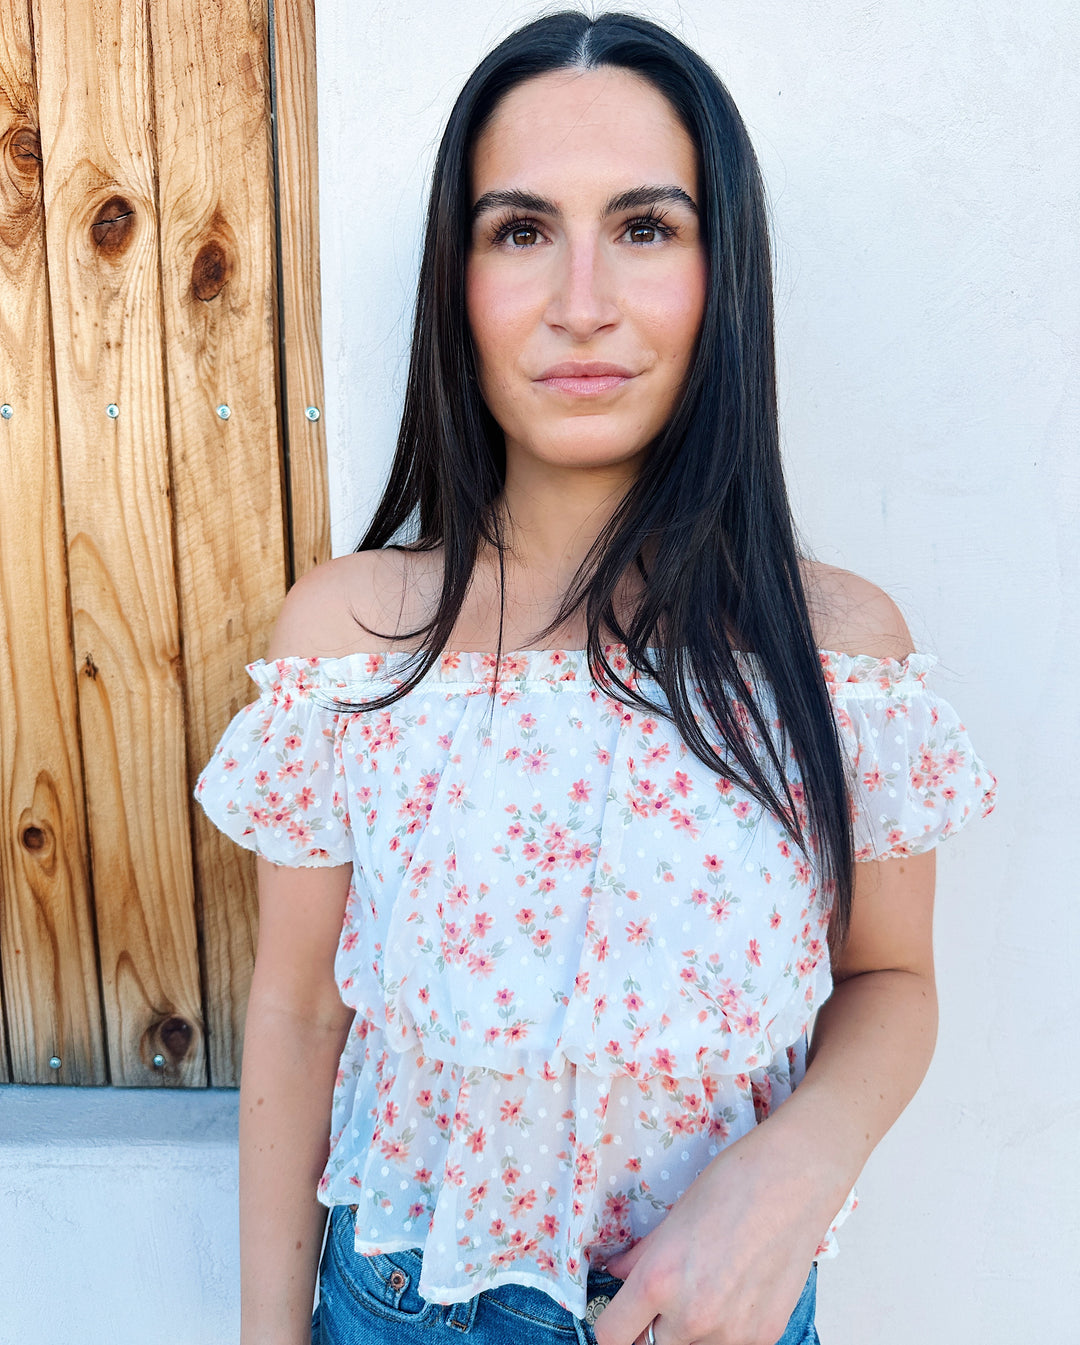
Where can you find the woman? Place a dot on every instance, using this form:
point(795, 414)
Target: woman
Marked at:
point(546, 927)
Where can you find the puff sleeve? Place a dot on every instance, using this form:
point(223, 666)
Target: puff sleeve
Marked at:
point(276, 782)
point(914, 776)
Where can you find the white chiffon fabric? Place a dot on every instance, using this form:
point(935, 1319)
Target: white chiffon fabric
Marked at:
point(581, 961)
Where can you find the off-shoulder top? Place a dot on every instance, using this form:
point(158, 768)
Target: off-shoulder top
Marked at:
point(581, 962)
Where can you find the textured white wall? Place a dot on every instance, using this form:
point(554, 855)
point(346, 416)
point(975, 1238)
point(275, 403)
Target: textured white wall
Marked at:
point(922, 160)
point(118, 1219)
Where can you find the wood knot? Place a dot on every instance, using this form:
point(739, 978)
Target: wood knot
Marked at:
point(175, 1035)
point(20, 185)
point(90, 668)
point(34, 838)
point(23, 148)
point(211, 271)
point(113, 225)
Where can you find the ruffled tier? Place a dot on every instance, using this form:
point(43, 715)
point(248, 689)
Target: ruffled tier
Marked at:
point(672, 1027)
point(526, 1180)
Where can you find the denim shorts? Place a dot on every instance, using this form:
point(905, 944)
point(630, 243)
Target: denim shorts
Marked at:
point(371, 1300)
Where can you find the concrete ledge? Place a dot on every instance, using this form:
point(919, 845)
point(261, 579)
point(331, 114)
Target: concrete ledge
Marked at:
point(89, 1117)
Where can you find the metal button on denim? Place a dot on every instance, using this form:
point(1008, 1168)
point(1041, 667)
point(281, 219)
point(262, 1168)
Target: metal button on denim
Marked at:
point(397, 1280)
point(595, 1307)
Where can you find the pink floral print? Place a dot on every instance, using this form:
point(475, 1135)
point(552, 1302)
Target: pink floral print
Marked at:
point(581, 962)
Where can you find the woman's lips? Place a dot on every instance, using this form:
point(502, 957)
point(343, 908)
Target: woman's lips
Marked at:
point(591, 379)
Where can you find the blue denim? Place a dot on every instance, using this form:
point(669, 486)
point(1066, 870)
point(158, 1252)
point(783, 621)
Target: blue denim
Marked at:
point(370, 1300)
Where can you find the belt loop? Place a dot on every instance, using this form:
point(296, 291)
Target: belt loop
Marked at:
point(462, 1315)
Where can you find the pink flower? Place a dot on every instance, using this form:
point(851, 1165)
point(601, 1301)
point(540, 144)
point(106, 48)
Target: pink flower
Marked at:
point(536, 762)
point(637, 931)
point(579, 791)
point(663, 1062)
point(521, 1203)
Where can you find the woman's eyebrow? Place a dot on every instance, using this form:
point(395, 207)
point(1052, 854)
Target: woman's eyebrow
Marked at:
point(637, 198)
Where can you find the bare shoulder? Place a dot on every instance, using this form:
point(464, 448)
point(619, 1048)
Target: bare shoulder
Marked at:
point(850, 615)
point(356, 603)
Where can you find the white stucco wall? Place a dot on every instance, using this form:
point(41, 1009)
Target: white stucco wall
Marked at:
point(921, 159)
point(118, 1218)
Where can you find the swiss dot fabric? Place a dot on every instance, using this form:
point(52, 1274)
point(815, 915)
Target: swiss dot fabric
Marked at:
point(581, 962)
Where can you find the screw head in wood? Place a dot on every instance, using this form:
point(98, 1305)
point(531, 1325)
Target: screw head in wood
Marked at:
point(313, 413)
point(223, 411)
point(7, 411)
point(55, 1062)
point(112, 410)
point(159, 1062)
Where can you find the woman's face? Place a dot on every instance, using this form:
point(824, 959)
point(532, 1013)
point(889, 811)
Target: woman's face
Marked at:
point(586, 275)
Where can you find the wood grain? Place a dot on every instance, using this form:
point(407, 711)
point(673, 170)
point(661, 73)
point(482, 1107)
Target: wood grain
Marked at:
point(212, 92)
point(51, 999)
point(301, 310)
point(96, 111)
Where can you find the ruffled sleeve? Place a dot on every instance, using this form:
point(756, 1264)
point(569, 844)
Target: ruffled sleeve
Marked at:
point(276, 782)
point(915, 777)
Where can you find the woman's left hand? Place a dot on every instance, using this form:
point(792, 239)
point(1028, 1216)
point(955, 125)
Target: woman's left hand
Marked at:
point(729, 1262)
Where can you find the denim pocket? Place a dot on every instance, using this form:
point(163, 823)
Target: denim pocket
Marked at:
point(800, 1329)
point(384, 1284)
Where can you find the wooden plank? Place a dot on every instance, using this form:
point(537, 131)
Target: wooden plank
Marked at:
point(52, 1004)
point(96, 109)
point(301, 313)
point(217, 227)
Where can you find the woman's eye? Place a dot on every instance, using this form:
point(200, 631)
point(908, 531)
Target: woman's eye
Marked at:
point(648, 230)
point(517, 236)
point(642, 233)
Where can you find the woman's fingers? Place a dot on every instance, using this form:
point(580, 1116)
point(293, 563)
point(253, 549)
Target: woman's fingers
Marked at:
point(625, 1318)
point(622, 1263)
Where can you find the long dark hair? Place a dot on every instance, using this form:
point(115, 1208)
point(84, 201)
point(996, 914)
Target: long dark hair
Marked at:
point(706, 524)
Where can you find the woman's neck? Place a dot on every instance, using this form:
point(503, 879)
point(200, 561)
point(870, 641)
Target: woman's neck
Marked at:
point(552, 516)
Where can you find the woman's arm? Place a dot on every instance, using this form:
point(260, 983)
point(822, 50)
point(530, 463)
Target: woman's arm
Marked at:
point(295, 1031)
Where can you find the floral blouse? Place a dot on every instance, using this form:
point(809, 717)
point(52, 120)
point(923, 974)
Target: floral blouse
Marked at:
point(581, 962)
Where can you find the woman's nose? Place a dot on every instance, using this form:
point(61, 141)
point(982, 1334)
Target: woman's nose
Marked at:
point(583, 294)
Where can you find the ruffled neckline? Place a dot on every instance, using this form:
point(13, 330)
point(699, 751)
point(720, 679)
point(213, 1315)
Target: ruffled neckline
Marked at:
point(523, 667)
